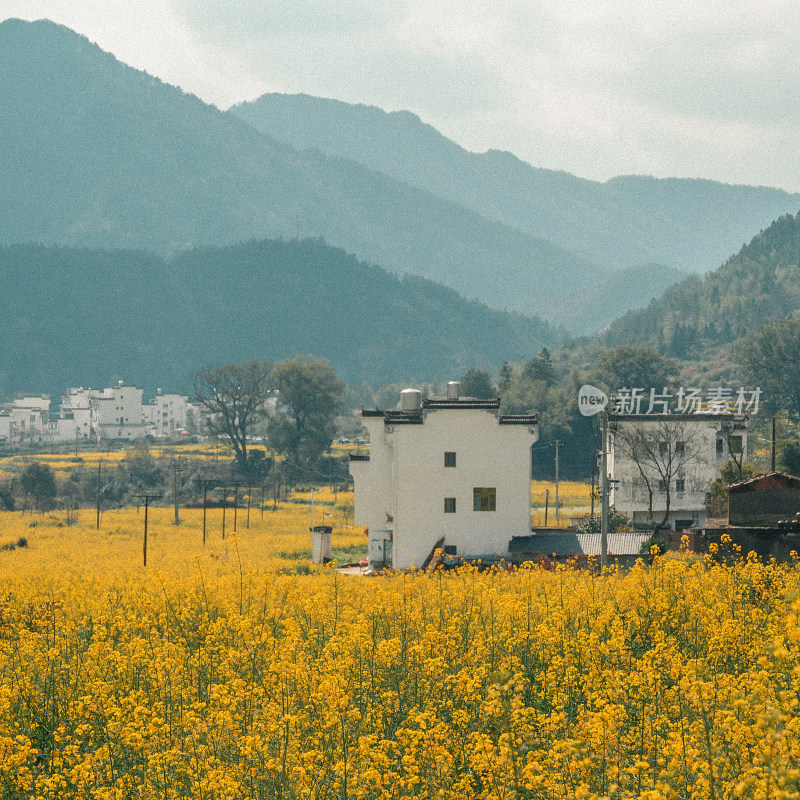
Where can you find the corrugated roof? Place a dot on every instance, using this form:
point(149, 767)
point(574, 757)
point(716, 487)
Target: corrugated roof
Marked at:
point(568, 544)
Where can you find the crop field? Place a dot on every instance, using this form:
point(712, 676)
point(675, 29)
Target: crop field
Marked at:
point(235, 669)
point(575, 499)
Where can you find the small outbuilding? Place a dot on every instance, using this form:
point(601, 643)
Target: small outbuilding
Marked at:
point(764, 501)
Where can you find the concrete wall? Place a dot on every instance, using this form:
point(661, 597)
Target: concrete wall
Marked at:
point(699, 466)
point(407, 479)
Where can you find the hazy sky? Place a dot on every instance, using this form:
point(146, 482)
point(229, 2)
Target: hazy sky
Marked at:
point(687, 88)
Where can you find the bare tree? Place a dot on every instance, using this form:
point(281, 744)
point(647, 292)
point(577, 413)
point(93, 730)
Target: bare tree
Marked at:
point(235, 395)
point(661, 449)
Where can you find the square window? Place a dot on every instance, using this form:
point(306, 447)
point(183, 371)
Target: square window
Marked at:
point(449, 459)
point(680, 485)
point(484, 499)
point(719, 446)
point(449, 505)
point(680, 448)
point(662, 486)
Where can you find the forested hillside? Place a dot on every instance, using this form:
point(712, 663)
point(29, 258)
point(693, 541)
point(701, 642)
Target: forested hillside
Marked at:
point(90, 316)
point(699, 316)
point(692, 225)
point(97, 154)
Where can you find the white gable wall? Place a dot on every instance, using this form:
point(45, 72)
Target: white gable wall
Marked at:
point(406, 479)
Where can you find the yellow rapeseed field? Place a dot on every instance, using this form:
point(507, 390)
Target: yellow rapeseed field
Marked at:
point(574, 498)
point(236, 670)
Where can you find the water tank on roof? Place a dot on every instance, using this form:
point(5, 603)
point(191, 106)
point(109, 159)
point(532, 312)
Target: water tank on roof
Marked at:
point(410, 400)
point(453, 388)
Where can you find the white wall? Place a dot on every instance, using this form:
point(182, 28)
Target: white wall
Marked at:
point(702, 464)
point(406, 472)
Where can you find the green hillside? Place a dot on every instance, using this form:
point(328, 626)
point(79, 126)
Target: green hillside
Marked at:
point(75, 316)
point(96, 154)
point(699, 316)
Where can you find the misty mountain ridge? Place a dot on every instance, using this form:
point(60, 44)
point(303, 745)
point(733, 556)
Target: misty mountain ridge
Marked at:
point(98, 154)
point(690, 224)
point(699, 317)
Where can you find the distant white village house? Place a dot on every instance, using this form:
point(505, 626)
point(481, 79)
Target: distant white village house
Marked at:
point(116, 412)
point(449, 472)
point(676, 456)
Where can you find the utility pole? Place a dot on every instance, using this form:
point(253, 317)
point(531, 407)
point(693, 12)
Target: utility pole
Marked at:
point(546, 505)
point(772, 461)
point(98, 494)
point(249, 492)
point(312, 508)
point(224, 503)
point(235, 506)
point(147, 498)
point(604, 491)
point(558, 442)
point(175, 487)
point(205, 506)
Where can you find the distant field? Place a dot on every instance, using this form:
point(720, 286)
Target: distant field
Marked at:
point(575, 499)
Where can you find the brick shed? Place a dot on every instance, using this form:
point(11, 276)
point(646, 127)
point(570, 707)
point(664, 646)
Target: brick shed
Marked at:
point(764, 501)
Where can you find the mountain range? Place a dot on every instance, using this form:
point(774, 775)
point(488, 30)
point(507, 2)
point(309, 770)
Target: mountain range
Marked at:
point(97, 154)
point(699, 317)
point(690, 225)
point(75, 315)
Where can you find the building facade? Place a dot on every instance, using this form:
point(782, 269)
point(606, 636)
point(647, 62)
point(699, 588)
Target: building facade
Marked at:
point(169, 414)
point(118, 412)
point(450, 472)
point(661, 465)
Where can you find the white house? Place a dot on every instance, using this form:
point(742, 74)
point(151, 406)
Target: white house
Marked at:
point(5, 425)
point(117, 412)
point(74, 416)
point(449, 472)
point(670, 456)
point(168, 414)
point(29, 418)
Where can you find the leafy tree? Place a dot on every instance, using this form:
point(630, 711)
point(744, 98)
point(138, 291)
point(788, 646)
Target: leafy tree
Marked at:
point(6, 498)
point(730, 472)
point(39, 484)
point(660, 451)
point(630, 366)
point(477, 383)
point(616, 522)
point(504, 377)
point(309, 397)
point(235, 396)
point(540, 368)
point(790, 457)
point(771, 359)
point(142, 469)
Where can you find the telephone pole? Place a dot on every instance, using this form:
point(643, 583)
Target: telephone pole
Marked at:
point(604, 487)
point(147, 498)
point(558, 442)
